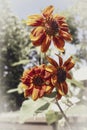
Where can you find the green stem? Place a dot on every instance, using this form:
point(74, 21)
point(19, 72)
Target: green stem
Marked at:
point(67, 121)
point(45, 58)
point(40, 56)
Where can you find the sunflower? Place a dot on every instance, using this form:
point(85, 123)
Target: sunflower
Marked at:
point(36, 82)
point(60, 74)
point(47, 28)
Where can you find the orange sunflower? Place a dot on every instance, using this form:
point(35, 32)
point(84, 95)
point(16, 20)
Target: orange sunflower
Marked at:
point(47, 28)
point(36, 82)
point(60, 73)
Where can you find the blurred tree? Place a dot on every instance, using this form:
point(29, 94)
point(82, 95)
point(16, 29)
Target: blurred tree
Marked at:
point(73, 29)
point(80, 12)
point(13, 39)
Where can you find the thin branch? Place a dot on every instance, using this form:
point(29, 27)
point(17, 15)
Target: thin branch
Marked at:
point(67, 121)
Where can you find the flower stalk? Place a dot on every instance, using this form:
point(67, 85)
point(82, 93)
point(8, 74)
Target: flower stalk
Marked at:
point(67, 120)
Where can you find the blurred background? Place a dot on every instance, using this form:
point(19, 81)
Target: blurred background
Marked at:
point(17, 53)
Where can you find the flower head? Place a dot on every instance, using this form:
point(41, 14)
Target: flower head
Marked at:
point(47, 28)
point(36, 82)
point(60, 74)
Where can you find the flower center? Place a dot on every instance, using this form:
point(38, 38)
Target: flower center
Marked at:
point(61, 75)
point(51, 27)
point(38, 81)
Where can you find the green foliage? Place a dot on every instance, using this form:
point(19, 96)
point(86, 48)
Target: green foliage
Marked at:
point(21, 62)
point(30, 108)
point(52, 116)
point(52, 95)
point(13, 39)
point(43, 107)
point(73, 29)
point(12, 90)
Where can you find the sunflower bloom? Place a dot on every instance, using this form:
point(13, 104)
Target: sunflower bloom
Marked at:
point(36, 82)
point(47, 28)
point(60, 74)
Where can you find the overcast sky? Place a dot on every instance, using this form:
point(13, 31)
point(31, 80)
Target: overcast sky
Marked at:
point(23, 8)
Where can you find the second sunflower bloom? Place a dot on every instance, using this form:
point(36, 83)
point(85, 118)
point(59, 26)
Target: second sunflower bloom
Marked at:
point(60, 74)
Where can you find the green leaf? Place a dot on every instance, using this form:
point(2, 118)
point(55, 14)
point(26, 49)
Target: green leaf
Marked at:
point(29, 108)
point(20, 62)
point(12, 90)
point(52, 95)
point(43, 108)
point(19, 89)
point(52, 116)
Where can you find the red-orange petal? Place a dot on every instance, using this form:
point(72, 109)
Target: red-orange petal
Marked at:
point(58, 96)
point(52, 61)
point(37, 70)
point(48, 11)
point(35, 93)
point(65, 35)
point(54, 80)
point(47, 75)
point(37, 34)
point(26, 78)
point(60, 60)
point(66, 29)
point(42, 91)
point(70, 65)
point(50, 68)
point(64, 25)
point(59, 43)
point(34, 20)
point(68, 76)
point(23, 86)
point(59, 18)
point(67, 61)
point(31, 73)
point(63, 88)
point(28, 92)
point(48, 89)
point(45, 44)
point(39, 41)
